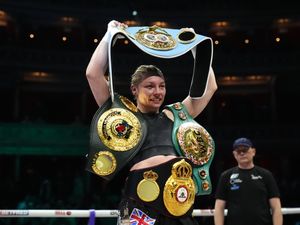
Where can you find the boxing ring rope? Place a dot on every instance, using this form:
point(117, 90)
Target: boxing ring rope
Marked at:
point(99, 213)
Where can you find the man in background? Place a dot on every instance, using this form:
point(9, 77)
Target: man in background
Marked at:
point(247, 191)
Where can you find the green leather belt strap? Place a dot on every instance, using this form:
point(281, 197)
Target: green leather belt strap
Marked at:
point(117, 132)
point(194, 142)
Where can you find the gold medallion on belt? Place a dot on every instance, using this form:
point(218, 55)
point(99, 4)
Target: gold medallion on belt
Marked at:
point(119, 129)
point(104, 163)
point(147, 189)
point(195, 142)
point(179, 190)
point(156, 38)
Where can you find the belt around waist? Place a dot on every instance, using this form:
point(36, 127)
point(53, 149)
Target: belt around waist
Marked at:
point(167, 188)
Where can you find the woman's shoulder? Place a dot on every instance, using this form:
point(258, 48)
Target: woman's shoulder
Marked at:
point(168, 113)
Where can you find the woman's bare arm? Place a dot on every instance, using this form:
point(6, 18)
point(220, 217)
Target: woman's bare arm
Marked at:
point(95, 71)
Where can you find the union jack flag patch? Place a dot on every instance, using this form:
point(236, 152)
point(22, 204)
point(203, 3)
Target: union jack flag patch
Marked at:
point(138, 217)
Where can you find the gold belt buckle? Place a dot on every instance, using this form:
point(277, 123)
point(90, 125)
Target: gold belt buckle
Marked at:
point(179, 189)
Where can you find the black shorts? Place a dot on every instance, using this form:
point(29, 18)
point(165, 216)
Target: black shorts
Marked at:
point(134, 207)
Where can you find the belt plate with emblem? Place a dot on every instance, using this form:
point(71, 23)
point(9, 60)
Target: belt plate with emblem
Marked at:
point(119, 129)
point(195, 142)
point(179, 190)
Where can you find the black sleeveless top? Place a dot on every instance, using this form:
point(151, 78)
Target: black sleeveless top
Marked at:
point(159, 137)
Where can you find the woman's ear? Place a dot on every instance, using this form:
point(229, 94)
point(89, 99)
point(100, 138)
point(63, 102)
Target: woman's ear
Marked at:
point(133, 90)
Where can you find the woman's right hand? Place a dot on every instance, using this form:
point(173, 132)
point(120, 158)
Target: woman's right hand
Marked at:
point(115, 24)
point(112, 27)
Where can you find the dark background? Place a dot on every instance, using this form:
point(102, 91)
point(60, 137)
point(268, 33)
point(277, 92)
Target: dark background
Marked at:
point(47, 106)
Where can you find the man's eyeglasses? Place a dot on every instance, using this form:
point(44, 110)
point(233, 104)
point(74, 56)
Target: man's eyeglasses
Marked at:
point(241, 149)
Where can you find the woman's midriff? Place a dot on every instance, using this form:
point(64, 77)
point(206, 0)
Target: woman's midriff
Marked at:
point(152, 161)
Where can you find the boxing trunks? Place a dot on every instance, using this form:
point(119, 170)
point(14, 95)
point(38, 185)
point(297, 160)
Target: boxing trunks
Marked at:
point(167, 189)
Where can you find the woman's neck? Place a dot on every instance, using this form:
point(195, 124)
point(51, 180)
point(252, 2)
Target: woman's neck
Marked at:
point(148, 111)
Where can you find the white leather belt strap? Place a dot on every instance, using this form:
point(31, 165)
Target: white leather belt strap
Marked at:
point(165, 43)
